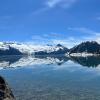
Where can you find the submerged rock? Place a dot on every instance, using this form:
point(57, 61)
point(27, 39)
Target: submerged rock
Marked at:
point(5, 91)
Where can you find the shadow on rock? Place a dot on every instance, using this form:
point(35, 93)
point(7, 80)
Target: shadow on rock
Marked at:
point(5, 91)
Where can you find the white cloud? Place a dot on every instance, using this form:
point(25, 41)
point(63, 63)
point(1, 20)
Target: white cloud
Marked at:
point(68, 42)
point(54, 39)
point(61, 3)
point(83, 30)
point(89, 35)
point(53, 3)
point(41, 10)
point(98, 18)
point(72, 41)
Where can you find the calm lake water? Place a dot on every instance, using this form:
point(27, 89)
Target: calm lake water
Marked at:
point(52, 78)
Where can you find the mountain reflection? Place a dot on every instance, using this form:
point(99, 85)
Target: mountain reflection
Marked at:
point(91, 61)
point(21, 61)
point(59, 60)
point(10, 59)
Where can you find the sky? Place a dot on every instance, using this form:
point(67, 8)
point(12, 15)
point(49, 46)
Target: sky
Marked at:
point(67, 22)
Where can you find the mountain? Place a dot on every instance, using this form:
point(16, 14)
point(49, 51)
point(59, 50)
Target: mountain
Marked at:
point(54, 50)
point(8, 50)
point(87, 48)
point(14, 48)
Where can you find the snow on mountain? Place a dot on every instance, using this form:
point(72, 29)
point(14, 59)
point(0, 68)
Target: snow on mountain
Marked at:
point(29, 49)
point(3, 46)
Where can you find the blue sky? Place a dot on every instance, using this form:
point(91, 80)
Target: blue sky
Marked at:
point(68, 22)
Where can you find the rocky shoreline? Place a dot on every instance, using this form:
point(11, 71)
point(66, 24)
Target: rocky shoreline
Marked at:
point(5, 91)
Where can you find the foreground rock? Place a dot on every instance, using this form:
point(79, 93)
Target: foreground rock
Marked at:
point(5, 91)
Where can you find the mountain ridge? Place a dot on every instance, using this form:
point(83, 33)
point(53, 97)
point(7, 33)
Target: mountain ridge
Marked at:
point(25, 49)
point(86, 47)
point(14, 48)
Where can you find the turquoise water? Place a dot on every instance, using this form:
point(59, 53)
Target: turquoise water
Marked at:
point(64, 79)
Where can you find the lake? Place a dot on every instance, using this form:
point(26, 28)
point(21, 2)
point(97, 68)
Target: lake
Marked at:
point(52, 78)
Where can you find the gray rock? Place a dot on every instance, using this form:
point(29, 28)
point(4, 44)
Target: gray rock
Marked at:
point(5, 91)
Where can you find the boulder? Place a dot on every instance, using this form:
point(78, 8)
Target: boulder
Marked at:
point(5, 91)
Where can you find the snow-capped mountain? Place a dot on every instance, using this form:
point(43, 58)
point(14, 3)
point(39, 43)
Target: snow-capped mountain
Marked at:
point(88, 47)
point(85, 48)
point(6, 49)
point(53, 50)
point(21, 48)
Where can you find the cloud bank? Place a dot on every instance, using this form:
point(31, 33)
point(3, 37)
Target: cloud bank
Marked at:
point(60, 3)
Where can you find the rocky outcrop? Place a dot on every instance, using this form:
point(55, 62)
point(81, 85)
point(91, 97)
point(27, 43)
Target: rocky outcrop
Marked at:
point(5, 91)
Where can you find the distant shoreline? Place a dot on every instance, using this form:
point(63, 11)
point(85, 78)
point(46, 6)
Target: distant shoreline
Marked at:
point(83, 54)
